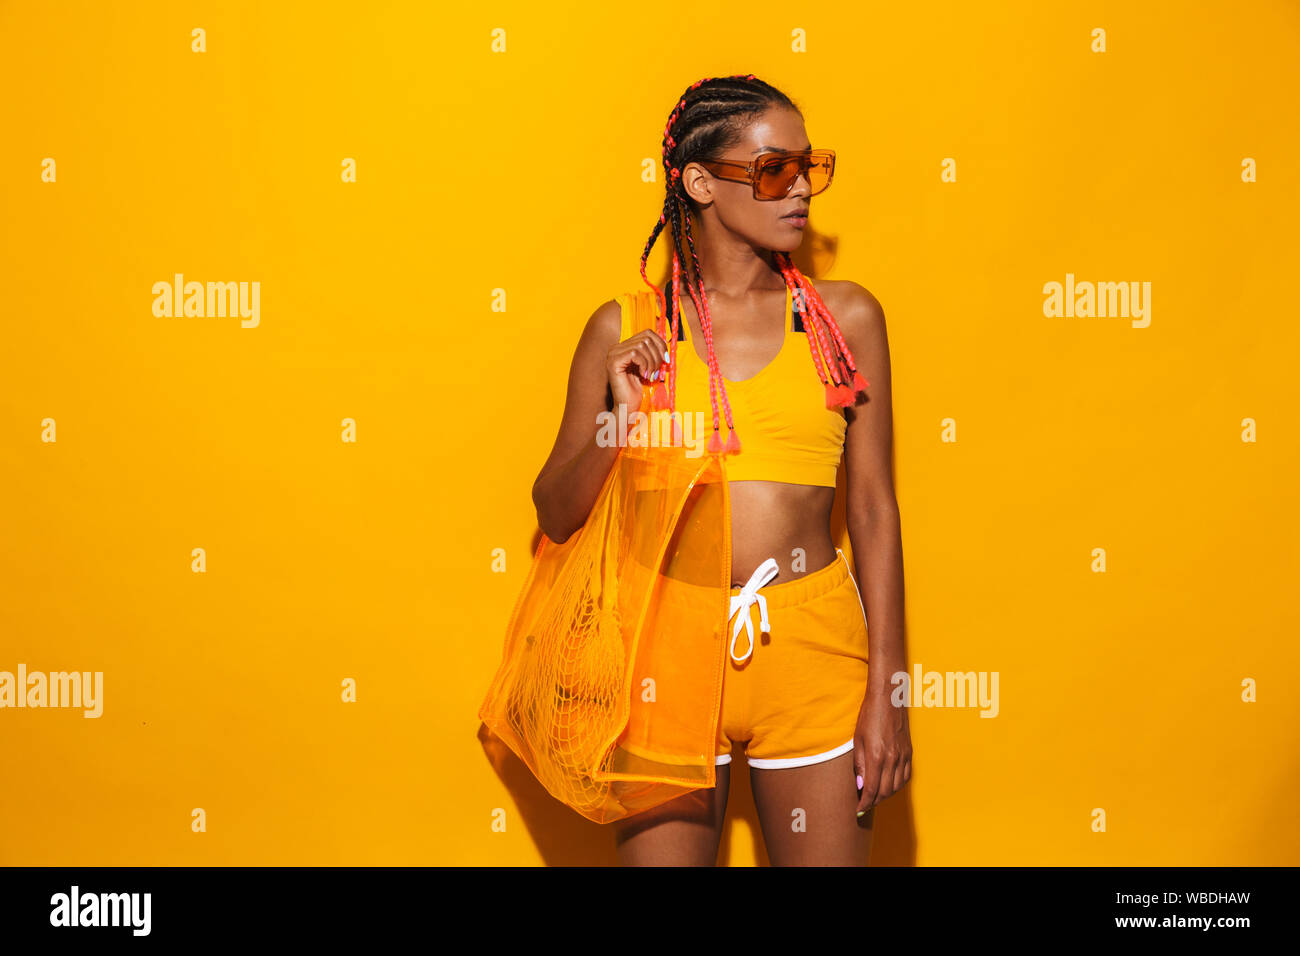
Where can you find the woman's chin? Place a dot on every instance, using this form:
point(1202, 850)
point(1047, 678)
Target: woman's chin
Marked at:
point(786, 244)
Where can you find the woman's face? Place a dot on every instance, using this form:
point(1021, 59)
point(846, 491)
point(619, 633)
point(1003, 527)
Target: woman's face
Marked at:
point(762, 223)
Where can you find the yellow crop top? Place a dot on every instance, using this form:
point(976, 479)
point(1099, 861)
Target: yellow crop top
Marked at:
point(786, 431)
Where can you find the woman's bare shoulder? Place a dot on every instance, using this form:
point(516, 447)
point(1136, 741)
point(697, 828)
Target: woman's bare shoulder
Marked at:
point(855, 308)
point(849, 295)
point(604, 326)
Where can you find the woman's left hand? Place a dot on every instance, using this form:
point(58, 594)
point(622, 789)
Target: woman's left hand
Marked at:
point(882, 750)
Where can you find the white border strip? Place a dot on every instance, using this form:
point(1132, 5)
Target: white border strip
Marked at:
point(777, 763)
point(855, 586)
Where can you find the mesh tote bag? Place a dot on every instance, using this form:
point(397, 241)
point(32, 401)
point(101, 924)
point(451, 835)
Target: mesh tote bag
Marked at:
point(610, 683)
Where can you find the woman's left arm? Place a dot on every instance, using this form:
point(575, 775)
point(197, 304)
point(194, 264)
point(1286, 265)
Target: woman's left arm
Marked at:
point(883, 744)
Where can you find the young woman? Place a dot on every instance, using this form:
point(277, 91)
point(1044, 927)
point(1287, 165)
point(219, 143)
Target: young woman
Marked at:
point(823, 741)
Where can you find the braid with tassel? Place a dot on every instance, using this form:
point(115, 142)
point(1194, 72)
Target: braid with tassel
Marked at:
point(709, 110)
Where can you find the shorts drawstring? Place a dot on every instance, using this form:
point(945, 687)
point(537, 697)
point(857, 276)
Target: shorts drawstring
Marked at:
point(748, 596)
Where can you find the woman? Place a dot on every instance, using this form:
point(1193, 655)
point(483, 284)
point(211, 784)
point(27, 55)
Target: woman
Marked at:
point(823, 741)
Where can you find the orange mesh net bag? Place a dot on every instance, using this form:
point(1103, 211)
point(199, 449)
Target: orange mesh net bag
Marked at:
point(610, 683)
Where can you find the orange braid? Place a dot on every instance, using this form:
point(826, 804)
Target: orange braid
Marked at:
point(674, 207)
point(831, 355)
point(841, 394)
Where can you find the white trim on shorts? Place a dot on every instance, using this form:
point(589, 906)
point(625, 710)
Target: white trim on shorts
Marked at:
point(855, 586)
point(777, 763)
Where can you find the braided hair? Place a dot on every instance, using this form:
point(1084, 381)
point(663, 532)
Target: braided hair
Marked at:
point(706, 121)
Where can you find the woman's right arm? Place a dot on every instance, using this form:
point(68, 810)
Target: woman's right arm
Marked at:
point(604, 374)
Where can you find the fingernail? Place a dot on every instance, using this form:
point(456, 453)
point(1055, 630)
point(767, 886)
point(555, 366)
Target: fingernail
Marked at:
point(860, 812)
point(859, 781)
point(667, 357)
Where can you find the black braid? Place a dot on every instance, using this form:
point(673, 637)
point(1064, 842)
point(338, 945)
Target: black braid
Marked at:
point(709, 119)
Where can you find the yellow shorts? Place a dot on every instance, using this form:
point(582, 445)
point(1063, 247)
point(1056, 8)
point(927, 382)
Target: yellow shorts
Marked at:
point(795, 692)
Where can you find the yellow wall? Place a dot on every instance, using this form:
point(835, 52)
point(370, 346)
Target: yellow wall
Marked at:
point(521, 171)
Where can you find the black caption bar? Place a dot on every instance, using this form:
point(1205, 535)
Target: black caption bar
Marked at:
point(138, 906)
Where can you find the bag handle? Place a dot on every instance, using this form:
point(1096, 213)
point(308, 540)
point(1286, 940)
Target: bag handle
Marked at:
point(644, 304)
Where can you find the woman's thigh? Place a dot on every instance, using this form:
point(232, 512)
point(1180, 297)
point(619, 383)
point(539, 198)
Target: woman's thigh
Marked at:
point(686, 831)
point(809, 814)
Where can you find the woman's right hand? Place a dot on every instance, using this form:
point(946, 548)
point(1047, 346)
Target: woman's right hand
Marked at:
point(630, 364)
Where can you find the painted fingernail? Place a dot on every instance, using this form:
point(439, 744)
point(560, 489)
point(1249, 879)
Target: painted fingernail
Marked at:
point(667, 357)
point(859, 781)
point(860, 812)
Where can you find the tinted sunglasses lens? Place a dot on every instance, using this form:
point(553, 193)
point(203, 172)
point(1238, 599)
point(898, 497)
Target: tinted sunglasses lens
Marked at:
point(776, 177)
point(819, 172)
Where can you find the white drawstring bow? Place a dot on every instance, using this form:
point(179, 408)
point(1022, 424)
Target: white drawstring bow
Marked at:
point(741, 602)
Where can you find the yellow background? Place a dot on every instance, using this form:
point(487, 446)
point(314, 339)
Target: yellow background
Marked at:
point(522, 171)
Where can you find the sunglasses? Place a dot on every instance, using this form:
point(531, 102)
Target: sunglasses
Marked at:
point(773, 175)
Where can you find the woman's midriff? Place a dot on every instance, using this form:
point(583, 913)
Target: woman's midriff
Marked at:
point(775, 520)
point(769, 519)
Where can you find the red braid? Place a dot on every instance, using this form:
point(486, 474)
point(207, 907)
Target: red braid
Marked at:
point(675, 204)
point(848, 381)
point(831, 355)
